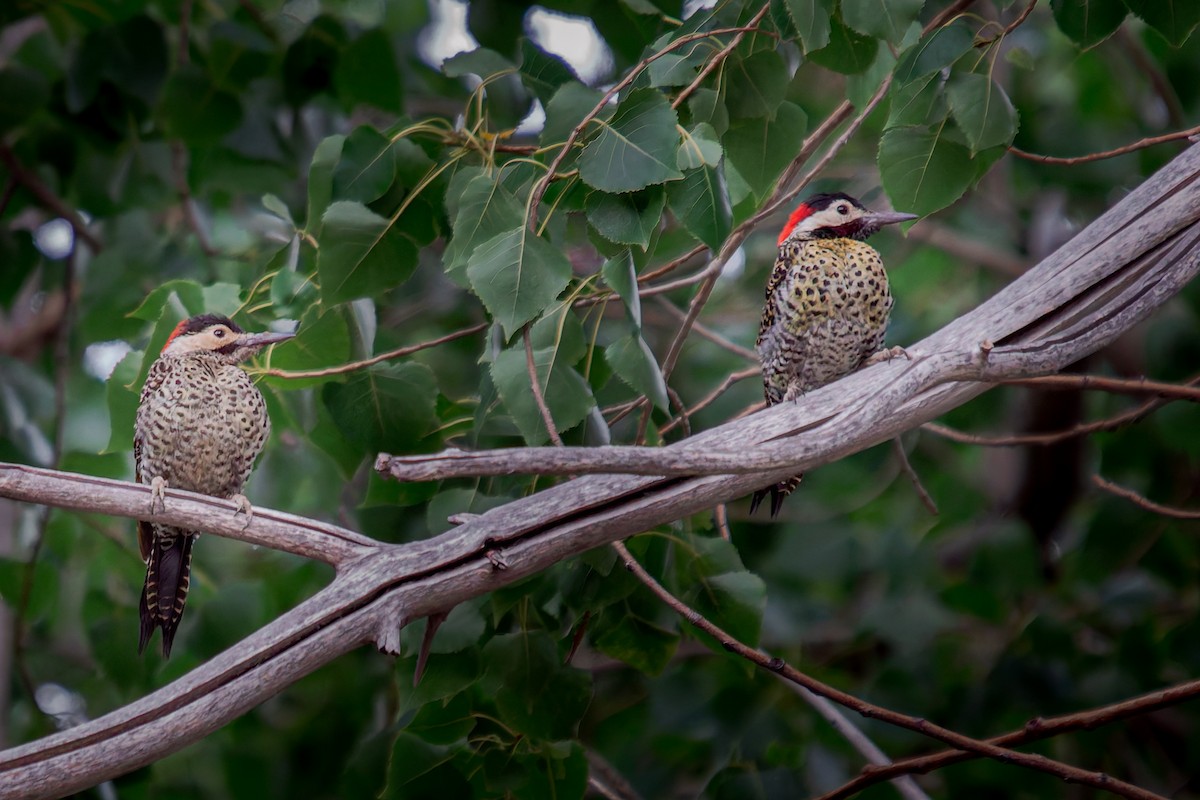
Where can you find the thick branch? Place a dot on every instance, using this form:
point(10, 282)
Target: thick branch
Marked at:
point(1113, 274)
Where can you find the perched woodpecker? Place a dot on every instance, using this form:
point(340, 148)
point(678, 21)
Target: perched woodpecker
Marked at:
point(827, 304)
point(201, 423)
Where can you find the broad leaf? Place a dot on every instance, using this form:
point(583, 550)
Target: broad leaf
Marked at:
point(366, 168)
point(848, 51)
point(567, 394)
point(811, 18)
point(361, 253)
point(756, 85)
point(620, 273)
point(701, 147)
point(886, 19)
point(1088, 22)
point(701, 202)
point(630, 357)
point(481, 61)
point(320, 180)
point(482, 206)
point(195, 110)
point(761, 148)
point(523, 669)
point(626, 218)
point(638, 642)
point(1174, 19)
point(934, 52)
point(387, 408)
point(322, 340)
point(922, 170)
point(636, 149)
point(543, 73)
point(517, 275)
point(982, 111)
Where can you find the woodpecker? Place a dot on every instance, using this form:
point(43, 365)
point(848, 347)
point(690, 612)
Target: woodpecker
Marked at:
point(827, 304)
point(200, 424)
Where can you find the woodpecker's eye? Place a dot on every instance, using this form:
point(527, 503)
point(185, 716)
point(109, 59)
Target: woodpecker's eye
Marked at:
point(219, 333)
point(843, 209)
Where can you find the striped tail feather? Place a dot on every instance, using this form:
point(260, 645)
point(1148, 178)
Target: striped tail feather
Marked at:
point(778, 492)
point(168, 576)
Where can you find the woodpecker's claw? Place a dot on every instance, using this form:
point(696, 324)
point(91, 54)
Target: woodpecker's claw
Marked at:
point(887, 355)
point(243, 507)
point(158, 488)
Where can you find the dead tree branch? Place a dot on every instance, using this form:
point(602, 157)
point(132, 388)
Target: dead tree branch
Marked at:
point(1109, 277)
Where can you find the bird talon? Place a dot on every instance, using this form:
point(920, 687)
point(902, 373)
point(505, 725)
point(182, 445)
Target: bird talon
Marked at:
point(243, 507)
point(158, 502)
point(887, 355)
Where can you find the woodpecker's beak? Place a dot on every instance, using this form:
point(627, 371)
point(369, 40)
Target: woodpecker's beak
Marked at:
point(263, 339)
point(880, 218)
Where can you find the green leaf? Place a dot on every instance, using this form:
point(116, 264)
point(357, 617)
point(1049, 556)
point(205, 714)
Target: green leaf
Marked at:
point(481, 61)
point(320, 180)
point(620, 273)
point(322, 340)
point(483, 206)
point(517, 275)
point(638, 642)
point(934, 52)
point(523, 669)
point(632, 360)
point(543, 73)
point(735, 601)
point(276, 206)
point(366, 73)
point(1174, 19)
point(22, 93)
point(922, 170)
point(1088, 22)
point(189, 299)
point(196, 110)
point(628, 218)
point(636, 149)
point(701, 147)
point(567, 394)
point(701, 202)
point(361, 253)
point(706, 107)
point(570, 104)
point(387, 408)
point(760, 149)
point(756, 85)
point(811, 18)
point(366, 168)
point(122, 394)
point(848, 51)
point(982, 111)
point(885, 19)
point(921, 101)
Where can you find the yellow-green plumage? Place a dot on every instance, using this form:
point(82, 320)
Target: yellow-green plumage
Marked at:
point(827, 305)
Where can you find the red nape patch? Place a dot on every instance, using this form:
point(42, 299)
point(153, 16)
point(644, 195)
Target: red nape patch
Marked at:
point(802, 211)
point(178, 330)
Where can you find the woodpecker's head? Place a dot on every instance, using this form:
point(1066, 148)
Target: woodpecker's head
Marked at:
point(836, 216)
point(212, 333)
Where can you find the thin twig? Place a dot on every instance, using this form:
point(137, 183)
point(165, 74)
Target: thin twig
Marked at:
point(552, 170)
point(1034, 730)
point(48, 199)
point(780, 667)
point(717, 60)
point(539, 396)
point(708, 399)
point(708, 333)
point(1140, 386)
point(907, 467)
point(1141, 144)
point(399, 352)
point(1142, 502)
point(721, 521)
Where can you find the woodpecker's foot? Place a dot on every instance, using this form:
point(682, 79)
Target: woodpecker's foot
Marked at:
point(887, 355)
point(793, 393)
point(243, 507)
point(158, 488)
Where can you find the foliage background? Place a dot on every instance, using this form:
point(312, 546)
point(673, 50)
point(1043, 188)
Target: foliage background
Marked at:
point(302, 161)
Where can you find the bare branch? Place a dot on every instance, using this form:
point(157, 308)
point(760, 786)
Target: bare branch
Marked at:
point(1141, 386)
point(1141, 144)
point(785, 671)
point(399, 352)
point(1142, 502)
point(274, 529)
point(47, 198)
